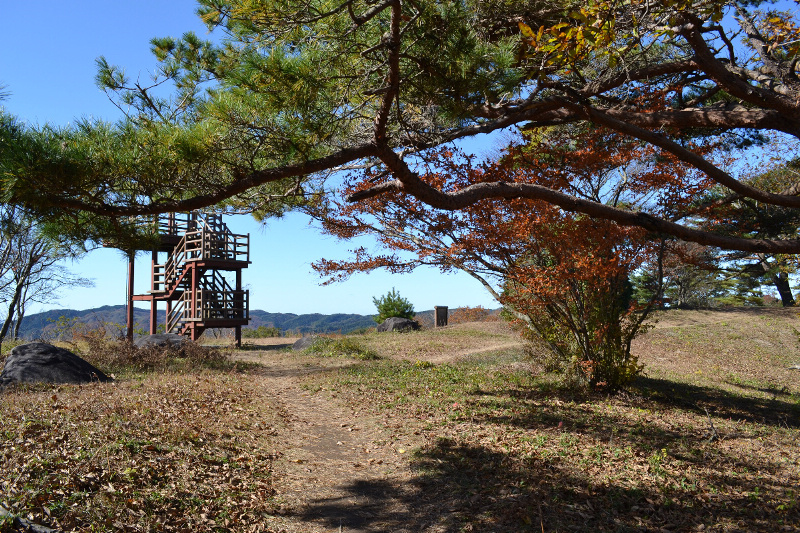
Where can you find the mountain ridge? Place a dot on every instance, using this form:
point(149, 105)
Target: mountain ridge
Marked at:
point(40, 325)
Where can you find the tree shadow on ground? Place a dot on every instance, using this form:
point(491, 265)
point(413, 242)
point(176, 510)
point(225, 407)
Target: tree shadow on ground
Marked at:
point(472, 488)
point(247, 347)
point(779, 410)
point(647, 475)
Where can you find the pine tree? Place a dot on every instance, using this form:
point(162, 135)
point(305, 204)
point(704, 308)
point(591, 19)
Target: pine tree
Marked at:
point(392, 305)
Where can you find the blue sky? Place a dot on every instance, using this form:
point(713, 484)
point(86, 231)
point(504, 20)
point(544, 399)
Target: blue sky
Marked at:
point(47, 62)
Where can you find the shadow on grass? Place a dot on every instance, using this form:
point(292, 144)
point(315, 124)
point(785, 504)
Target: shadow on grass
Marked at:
point(461, 484)
point(774, 390)
point(782, 410)
point(460, 487)
point(247, 347)
point(775, 411)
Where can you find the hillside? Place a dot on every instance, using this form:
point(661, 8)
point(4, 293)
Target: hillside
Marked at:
point(311, 323)
point(741, 350)
point(40, 324)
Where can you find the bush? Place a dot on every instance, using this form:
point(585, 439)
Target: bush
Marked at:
point(261, 332)
point(120, 355)
point(586, 336)
point(344, 347)
point(392, 304)
point(461, 315)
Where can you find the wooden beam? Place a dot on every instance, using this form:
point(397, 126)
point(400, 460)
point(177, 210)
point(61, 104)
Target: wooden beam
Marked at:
point(129, 310)
point(153, 303)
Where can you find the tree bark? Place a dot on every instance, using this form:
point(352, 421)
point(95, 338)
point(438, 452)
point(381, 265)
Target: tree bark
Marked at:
point(781, 281)
point(20, 312)
point(12, 309)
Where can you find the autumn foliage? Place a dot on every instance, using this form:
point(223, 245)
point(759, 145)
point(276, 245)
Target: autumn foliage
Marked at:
point(263, 115)
point(461, 315)
point(562, 276)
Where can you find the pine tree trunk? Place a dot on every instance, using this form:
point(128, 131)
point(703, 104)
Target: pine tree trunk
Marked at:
point(781, 281)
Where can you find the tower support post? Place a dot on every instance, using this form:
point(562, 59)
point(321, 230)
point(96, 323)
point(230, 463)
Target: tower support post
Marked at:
point(153, 302)
point(129, 310)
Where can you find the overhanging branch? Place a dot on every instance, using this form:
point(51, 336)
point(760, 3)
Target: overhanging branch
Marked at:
point(411, 184)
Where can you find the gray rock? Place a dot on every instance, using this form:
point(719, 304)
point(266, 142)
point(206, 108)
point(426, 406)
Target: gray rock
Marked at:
point(398, 324)
point(160, 339)
point(304, 343)
point(37, 362)
point(22, 524)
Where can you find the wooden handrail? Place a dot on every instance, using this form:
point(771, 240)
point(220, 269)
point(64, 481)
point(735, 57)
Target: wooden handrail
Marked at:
point(205, 237)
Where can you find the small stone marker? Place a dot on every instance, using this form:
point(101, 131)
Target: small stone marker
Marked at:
point(440, 315)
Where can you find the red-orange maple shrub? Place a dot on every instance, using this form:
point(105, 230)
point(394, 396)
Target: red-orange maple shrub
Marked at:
point(461, 315)
point(562, 275)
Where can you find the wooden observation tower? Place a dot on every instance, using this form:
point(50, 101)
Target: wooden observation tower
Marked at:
point(198, 296)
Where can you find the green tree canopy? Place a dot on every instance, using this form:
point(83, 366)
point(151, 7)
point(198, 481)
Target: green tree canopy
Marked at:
point(288, 92)
point(746, 216)
point(391, 305)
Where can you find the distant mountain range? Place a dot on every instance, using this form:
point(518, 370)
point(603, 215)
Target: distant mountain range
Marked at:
point(39, 325)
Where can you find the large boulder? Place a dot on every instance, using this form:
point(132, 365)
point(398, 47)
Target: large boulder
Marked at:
point(305, 343)
point(163, 340)
point(396, 323)
point(38, 362)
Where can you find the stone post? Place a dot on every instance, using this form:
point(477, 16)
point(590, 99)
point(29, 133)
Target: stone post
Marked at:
point(440, 315)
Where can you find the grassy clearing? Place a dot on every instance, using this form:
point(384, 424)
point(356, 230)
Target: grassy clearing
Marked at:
point(501, 448)
point(706, 441)
point(745, 351)
point(341, 347)
point(172, 450)
point(431, 343)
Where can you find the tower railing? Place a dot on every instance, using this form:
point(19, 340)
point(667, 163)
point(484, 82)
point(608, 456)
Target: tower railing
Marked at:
point(190, 279)
point(199, 245)
point(176, 318)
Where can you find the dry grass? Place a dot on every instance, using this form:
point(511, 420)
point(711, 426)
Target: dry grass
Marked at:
point(163, 451)
point(122, 356)
point(501, 448)
point(744, 351)
point(494, 446)
point(441, 343)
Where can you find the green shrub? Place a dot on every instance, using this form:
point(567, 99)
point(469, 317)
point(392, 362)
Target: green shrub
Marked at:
point(261, 332)
point(344, 347)
point(392, 304)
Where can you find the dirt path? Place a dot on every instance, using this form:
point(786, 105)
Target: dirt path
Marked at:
point(446, 357)
point(338, 472)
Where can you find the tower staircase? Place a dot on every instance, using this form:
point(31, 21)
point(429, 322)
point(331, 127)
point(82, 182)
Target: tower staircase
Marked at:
point(198, 296)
